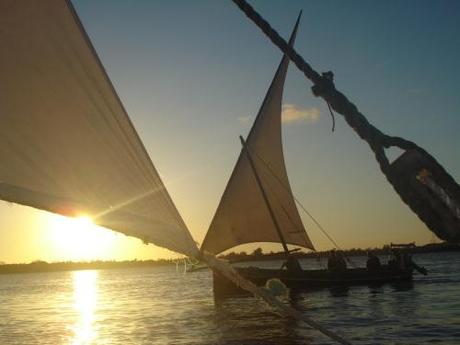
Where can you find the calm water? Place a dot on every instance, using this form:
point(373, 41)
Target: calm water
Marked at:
point(162, 306)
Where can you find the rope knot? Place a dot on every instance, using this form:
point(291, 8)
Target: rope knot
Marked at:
point(325, 85)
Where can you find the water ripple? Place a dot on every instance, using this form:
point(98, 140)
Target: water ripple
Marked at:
point(160, 306)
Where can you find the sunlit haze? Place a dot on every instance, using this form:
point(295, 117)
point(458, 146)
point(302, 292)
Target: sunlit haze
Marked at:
point(79, 239)
point(192, 75)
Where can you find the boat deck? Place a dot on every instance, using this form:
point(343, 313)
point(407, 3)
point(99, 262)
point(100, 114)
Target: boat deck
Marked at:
point(310, 279)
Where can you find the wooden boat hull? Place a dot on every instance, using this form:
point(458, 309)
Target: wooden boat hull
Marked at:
point(312, 279)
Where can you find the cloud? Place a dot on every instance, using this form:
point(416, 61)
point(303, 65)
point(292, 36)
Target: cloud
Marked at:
point(294, 114)
point(244, 119)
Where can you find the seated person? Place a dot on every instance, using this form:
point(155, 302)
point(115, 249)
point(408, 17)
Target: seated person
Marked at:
point(373, 262)
point(292, 265)
point(336, 262)
point(341, 263)
point(396, 263)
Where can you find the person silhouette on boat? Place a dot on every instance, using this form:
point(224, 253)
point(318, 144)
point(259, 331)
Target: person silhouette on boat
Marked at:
point(292, 265)
point(336, 262)
point(404, 262)
point(409, 264)
point(373, 262)
point(396, 262)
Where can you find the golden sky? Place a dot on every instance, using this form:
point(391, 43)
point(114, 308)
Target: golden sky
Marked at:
point(193, 84)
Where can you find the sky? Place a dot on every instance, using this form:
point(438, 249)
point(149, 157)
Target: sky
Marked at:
point(192, 75)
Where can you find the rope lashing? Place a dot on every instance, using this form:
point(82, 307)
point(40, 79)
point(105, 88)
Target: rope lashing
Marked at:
point(327, 82)
point(402, 173)
point(332, 116)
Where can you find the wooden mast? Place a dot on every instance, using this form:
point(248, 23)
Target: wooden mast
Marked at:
point(264, 195)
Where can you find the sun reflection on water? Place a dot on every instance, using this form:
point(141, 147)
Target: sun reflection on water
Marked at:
point(85, 300)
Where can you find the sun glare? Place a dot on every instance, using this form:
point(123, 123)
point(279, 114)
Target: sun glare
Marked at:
point(85, 297)
point(79, 238)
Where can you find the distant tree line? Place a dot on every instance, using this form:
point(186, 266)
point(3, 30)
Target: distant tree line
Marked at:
point(43, 266)
point(256, 255)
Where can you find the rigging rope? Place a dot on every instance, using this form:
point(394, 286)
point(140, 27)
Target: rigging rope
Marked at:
point(428, 209)
point(270, 170)
point(332, 116)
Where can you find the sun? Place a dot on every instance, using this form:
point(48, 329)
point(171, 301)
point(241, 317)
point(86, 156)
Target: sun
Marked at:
point(79, 239)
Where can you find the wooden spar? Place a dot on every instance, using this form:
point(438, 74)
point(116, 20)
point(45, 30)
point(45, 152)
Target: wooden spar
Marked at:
point(264, 195)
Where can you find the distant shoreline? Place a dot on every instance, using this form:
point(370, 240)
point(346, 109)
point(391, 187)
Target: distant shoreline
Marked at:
point(43, 266)
point(257, 255)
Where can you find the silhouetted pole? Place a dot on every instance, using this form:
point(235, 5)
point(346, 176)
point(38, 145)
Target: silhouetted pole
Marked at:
point(264, 195)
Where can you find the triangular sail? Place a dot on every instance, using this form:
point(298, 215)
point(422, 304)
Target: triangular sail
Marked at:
point(242, 215)
point(66, 143)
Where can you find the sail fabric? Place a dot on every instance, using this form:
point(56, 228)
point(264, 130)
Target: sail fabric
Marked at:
point(242, 215)
point(67, 144)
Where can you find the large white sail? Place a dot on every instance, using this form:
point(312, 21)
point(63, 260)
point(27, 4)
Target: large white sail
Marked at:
point(66, 143)
point(242, 215)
